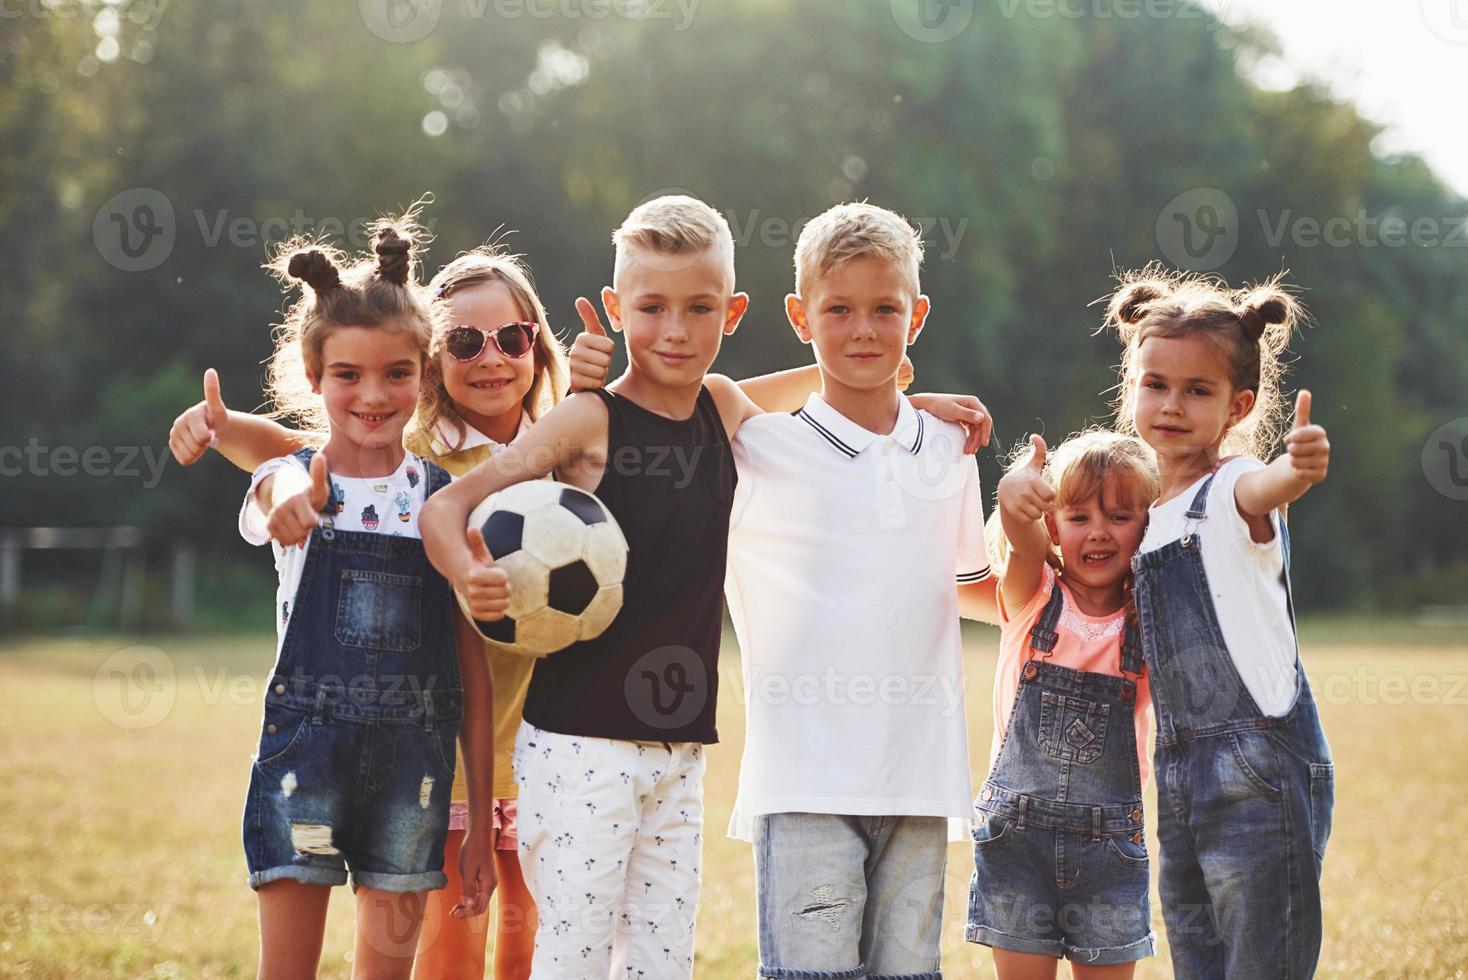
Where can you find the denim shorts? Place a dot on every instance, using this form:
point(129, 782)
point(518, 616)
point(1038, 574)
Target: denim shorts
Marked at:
point(1059, 892)
point(369, 796)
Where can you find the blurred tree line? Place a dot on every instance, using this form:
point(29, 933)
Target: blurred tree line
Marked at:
point(1039, 149)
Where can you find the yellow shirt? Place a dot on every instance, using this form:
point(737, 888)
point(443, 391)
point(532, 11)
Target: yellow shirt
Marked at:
point(510, 671)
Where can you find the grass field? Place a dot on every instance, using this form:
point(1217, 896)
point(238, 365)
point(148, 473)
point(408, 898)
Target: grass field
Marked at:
point(124, 767)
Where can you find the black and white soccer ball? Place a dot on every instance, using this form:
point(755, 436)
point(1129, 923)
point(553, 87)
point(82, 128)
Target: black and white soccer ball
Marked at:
point(565, 556)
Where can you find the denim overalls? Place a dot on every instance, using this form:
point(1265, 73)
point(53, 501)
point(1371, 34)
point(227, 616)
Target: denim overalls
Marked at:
point(1245, 799)
point(356, 757)
point(1060, 867)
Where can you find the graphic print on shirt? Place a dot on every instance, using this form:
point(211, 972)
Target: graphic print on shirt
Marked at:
point(404, 504)
point(369, 518)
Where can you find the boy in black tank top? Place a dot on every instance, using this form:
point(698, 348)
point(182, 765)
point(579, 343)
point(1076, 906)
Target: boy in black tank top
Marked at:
point(610, 758)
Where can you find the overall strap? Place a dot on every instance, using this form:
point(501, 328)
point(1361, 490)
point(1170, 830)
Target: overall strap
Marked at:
point(1197, 511)
point(438, 478)
point(1133, 663)
point(1042, 635)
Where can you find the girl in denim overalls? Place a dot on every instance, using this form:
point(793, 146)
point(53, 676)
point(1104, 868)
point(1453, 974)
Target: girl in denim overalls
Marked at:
point(1244, 776)
point(362, 709)
point(1060, 863)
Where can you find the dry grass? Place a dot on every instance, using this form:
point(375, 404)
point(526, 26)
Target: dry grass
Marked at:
point(119, 833)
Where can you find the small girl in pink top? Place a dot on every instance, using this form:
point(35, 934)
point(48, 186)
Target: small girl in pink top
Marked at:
point(1060, 863)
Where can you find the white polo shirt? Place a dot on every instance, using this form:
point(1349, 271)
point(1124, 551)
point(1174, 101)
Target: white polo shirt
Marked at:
point(845, 547)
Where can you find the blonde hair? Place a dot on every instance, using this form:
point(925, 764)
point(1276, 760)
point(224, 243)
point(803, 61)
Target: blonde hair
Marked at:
point(852, 231)
point(1250, 327)
point(1081, 469)
point(672, 225)
point(484, 265)
point(378, 290)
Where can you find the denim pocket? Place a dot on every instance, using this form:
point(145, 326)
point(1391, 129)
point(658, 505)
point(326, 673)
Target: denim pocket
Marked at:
point(1322, 808)
point(989, 829)
point(280, 734)
point(446, 740)
point(1128, 851)
point(1072, 729)
point(1257, 759)
point(379, 611)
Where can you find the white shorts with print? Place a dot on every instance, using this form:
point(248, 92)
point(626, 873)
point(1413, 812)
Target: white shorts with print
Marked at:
point(611, 841)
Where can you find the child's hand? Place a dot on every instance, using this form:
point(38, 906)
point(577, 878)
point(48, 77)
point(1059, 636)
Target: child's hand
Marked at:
point(1309, 449)
point(196, 431)
point(966, 410)
point(476, 871)
point(905, 374)
point(591, 352)
point(485, 588)
point(1023, 492)
point(290, 521)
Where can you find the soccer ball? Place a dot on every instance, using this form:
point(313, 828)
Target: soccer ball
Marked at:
point(565, 556)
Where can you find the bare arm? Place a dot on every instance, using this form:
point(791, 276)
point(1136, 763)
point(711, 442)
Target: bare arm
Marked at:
point(978, 601)
point(1260, 492)
point(243, 439)
point(1024, 499)
point(735, 407)
point(476, 741)
point(556, 441)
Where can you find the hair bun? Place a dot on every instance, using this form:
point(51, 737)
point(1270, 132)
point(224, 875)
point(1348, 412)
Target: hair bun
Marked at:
point(1263, 308)
point(394, 255)
point(315, 269)
point(1130, 302)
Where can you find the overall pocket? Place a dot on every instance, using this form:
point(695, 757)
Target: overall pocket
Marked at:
point(1322, 808)
point(1072, 729)
point(281, 734)
point(379, 611)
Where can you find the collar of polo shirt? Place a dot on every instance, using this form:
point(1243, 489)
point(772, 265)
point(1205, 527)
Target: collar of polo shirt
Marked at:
point(850, 439)
point(444, 436)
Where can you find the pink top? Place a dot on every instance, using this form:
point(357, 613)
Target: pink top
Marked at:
point(1086, 643)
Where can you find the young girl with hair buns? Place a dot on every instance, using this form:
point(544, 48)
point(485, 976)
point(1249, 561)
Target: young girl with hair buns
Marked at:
point(376, 673)
point(1060, 863)
point(1245, 781)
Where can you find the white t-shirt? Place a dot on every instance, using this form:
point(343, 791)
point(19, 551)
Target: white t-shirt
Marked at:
point(382, 504)
point(844, 550)
point(1244, 577)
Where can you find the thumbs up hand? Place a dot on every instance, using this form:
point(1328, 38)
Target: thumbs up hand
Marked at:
point(196, 431)
point(1024, 492)
point(591, 351)
point(484, 587)
point(1307, 445)
point(297, 503)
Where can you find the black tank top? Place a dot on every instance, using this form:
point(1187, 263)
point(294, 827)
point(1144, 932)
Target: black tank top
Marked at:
point(653, 675)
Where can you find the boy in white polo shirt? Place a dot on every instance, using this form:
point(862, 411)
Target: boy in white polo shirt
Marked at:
point(856, 535)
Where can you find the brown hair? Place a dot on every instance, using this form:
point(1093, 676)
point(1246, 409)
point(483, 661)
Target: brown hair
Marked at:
point(1250, 327)
point(1079, 469)
point(379, 290)
point(852, 231)
point(490, 264)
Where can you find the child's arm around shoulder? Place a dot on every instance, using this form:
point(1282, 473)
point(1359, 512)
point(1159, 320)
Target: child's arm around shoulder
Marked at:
point(735, 407)
point(572, 436)
point(1260, 492)
point(245, 440)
